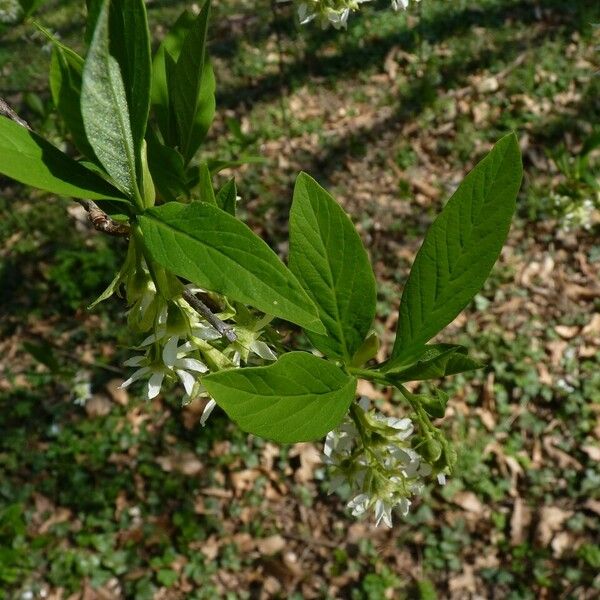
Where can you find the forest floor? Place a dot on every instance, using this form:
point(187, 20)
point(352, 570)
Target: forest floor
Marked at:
point(117, 498)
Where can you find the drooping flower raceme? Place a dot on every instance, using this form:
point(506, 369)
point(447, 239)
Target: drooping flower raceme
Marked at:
point(335, 12)
point(180, 345)
point(10, 11)
point(373, 455)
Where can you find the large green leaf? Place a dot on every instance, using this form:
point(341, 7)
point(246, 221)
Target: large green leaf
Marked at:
point(105, 111)
point(329, 260)
point(460, 248)
point(436, 360)
point(30, 159)
point(130, 45)
point(299, 398)
point(214, 250)
point(163, 74)
point(193, 90)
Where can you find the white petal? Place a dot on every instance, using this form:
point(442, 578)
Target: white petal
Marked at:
point(207, 411)
point(191, 364)
point(441, 478)
point(134, 361)
point(151, 338)
point(262, 350)
point(187, 379)
point(329, 443)
point(358, 504)
point(137, 375)
point(169, 354)
point(206, 333)
point(154, 385)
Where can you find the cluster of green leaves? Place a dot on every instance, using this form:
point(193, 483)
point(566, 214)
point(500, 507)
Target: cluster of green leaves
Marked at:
point(142, 170)
point(299, 397)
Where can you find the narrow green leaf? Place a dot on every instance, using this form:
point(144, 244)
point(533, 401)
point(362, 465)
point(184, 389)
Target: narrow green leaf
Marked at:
point(65, 85)
point(105, 111)
point(300, 398)
point(205, 186)
point(227, 197)
point(436, 360)
point(166, 166)
point(329, 260)
point(129, 40)
point(163, 74)
point(190, 76)
point(218, 252)
point(93, 11)
point(29, 159)
point(460, 248)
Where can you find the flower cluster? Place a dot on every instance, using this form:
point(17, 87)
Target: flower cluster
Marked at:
point(373, 455)
point(334, 12)
point(180, 344)
point(10, 11)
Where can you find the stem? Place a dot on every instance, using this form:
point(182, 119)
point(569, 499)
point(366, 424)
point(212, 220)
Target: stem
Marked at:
point(370, 375)
point(224, 330)
point(99, 219)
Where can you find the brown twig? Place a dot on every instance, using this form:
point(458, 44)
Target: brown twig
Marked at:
point(99, 219)
point(7, 111)
point(224, 330)
point(102, 222)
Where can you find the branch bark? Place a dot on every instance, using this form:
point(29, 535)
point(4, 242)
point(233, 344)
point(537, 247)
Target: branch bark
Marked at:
point(224, 330)
point(99, 219)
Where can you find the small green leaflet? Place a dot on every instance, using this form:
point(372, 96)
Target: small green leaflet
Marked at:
point(29, 159)
point(205, 186)
point(217, 252)
point(194, 87)
point(329, 260)
point(105, 112)
point(300, 398)
point(437, 360)
point(460, 248)
point(227, 197)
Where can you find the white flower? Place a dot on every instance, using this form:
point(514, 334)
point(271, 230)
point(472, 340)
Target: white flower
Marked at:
point(378, 463)
point(82, 388)
point(359, 504)
point(10, 11)
point(175, 359)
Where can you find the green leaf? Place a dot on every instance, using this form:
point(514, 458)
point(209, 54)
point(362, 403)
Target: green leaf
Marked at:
point(105, 111)
point(130, 45)
point(300, 398)
point(436, 360)
point(205, 186)
point(65, 85)
point(218, 252)
point(93, 11)
point(163, 73)
point(29, 159)
point(227, 197)
point(166, 166)
point(193, 90)
point(460, 248)
point(329, 260)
